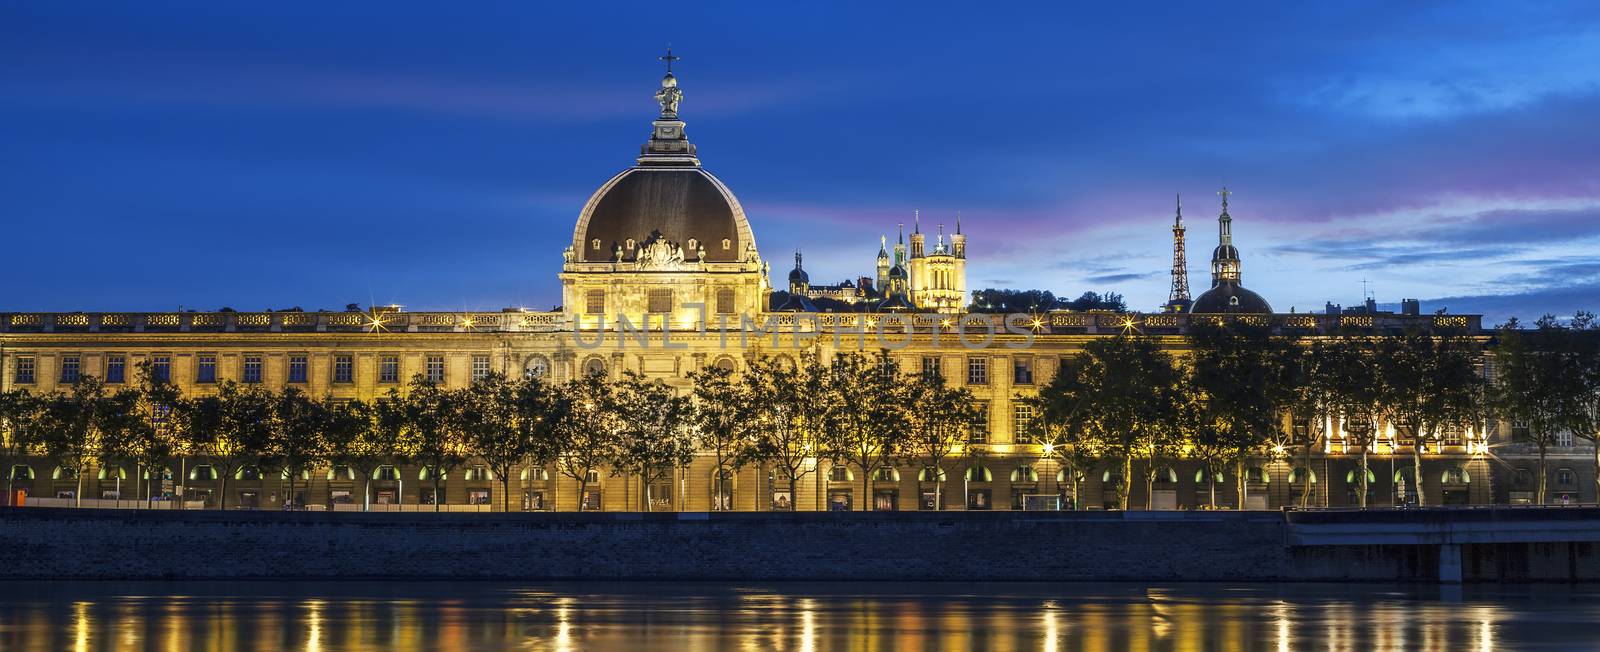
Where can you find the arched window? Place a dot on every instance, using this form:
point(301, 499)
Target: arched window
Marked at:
point(113, 473)
point(1111, 476)
point(304, 475)
point(840, 473)
point(1455, 475)
point(166, 474)
point(426, 474)
point(341, 473)
point(592, 476)
point(536, 367)
point(202, 472)
point(535, 474)
point(479, 473)
point(930, 474)
point(1301, 474)
point(21, 472)
point(1166, 475)
point(886, 474)
point(1352, 478)
point(247, 473)
point(386, 472)
point(1257, 475)
point(64, 473)
point(979, 474)
point(594, 365)
point(1024, 473)
point(1217, 477)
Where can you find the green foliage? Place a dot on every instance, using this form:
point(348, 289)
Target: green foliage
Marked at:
point(1548, 379)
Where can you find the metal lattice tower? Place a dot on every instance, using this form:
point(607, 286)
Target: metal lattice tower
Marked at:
point(1179, 296)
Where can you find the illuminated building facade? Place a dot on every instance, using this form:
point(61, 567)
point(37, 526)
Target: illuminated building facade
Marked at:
point(661, 259)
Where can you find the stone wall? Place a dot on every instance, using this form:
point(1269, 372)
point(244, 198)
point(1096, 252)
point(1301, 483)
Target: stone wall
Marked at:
point(1219, 546)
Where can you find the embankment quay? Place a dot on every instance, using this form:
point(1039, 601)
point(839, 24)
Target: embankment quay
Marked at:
point(1421, 545)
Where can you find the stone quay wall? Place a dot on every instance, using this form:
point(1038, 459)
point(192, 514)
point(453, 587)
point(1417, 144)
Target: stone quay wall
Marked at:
point(51, 543)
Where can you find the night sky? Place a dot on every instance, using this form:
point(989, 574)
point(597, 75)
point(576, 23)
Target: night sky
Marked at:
point(258, 155)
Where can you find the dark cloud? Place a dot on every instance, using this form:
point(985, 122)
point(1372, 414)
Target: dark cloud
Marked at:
point(1120, 278)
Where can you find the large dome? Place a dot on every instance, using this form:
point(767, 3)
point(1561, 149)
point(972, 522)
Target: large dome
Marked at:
point(1230, 297)
point(680, 203)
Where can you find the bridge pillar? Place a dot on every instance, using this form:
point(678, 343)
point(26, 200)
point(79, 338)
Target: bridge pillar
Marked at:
point(1450, 563)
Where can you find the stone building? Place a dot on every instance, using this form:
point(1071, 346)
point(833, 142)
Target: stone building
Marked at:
point(663, 276)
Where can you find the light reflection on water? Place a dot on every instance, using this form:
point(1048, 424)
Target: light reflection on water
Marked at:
point(364, 615)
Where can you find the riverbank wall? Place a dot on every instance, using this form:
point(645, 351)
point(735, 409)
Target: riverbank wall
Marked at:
point(50, 543)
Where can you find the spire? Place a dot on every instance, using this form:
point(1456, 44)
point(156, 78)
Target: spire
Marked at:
point(917, 223)
point(902, 227)
point(1225, 258)
point(1224, 221)
point(1178, 298)
point(958, 222)
point(797, 259)
point(668, 145)
point(883, 247)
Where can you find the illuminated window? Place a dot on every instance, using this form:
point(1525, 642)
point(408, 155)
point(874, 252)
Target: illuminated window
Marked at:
point(344, 368)
point(725, 301)
point(930, 367)
point(435, 369)
point(116, 368)
point(297, 368)
point(71, 366)
point(977, 370)
point(1022, 371)
point(594, 366)
point(660, 301)
point(595, 302)
point(161, 368)
point(1022, 423)
point(980, 425)
point(724, 363)
point(389, 368)
point(205, 370)
point(727, 244)
point(252, 368)
point(480, 367)
point(23, 374)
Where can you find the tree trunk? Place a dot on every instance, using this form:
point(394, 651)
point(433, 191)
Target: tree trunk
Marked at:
point(866, 488)
point(222, 503)
point(1305, 482)
point(436, 506)
point(1543, 472)
point(505, 491)
point(1363, 473)
point(1149, 491)
point(583, 490)
point(77, 496)
point(793, 490)
point(1240, 486)
point(1416, 469)
point(1126, 482)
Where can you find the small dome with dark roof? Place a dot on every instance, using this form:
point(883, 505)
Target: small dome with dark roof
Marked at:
point(682, 203)
point(1230, 298)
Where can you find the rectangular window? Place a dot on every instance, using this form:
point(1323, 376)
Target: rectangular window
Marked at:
point(344, 368)
point(1519, 431)
point(205, 370)
point(725, 301)
point(1022, 423)
point(980, 425)
point(977, 370)
point(930, 367)
point(252, 368)
point(1564, 439)
point(389, 368)
point(660, 301)
point(594, 302)
point(116, 368)
point(71, 368)
point(161, 368)
point(1022, 371)
point(480, 367)
point(23, 374)
point(297, 368)
point(435, 369)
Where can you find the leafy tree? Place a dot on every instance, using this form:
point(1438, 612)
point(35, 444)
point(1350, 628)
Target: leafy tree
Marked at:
point(868, 424)
point(1544, 379)
point(791, 414)
point(69, 422)
point(20, 433)
point(1348, 367)
point(1241, 372)
point(1119, 395)
point(654, 436)
point(508, 422)
point(296, 445)
point(722, 414)
point(1012, 301)
point(940, 424)
point(357, 439)
point(589, 435)
point(1427, 382)
point(422, 421)
point(1095, 301)
point(230, 429)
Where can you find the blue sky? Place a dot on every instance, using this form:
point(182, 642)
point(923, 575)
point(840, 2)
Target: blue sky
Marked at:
point(315, 154)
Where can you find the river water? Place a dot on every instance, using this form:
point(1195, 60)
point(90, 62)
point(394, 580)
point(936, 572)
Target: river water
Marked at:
point(369, 615)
